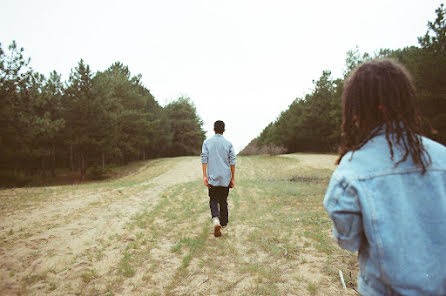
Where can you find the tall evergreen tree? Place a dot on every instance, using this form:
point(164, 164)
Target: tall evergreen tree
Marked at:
point(14, 78)
point(83, 111)
point(186, 127)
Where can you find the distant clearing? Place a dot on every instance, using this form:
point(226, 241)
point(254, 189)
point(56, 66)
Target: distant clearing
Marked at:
point(318, 161)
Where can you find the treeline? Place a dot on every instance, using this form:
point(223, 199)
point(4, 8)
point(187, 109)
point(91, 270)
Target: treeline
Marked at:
point(90, 121)
point(312, 123)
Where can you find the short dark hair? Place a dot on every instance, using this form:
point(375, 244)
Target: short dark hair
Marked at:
point(382, 92)
point(219, 126)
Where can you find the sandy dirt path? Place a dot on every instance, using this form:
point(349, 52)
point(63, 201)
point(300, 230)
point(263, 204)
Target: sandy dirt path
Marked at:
point(53, 230)
point(149, 233)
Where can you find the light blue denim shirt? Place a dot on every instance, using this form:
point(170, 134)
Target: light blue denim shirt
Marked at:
point(219, 154)
point(394, 216)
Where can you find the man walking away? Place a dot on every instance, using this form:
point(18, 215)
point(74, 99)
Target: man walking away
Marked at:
point(218, 162)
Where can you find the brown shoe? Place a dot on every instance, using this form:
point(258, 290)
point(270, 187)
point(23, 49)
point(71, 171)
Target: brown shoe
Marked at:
point(217, 227)
point(217, 232)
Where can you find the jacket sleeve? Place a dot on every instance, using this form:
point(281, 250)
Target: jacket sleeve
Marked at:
point(231, 155)
point(342, 205)
point(204, 153)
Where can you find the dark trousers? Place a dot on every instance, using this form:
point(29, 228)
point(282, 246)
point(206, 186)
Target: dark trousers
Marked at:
point(218, 203)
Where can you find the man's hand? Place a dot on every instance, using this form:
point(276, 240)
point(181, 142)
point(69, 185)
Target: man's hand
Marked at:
point(205, 181)
point(232, 183)
point(205, 175)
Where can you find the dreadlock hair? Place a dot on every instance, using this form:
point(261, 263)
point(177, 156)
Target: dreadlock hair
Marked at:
point(377, 93)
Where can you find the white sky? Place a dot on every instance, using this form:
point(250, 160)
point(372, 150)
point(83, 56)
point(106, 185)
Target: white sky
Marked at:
point(240, 61)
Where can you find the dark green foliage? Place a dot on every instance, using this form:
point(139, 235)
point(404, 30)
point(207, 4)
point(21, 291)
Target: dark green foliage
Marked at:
point(28, 114)
point(92, 120)
point(313, 123)
point(186, 128)
point(309, 124)
point(435, 38)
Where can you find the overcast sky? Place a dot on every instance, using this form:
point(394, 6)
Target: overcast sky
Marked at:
point(239, 61)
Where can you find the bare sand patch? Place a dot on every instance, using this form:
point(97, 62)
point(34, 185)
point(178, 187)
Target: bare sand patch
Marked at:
point(318, 161)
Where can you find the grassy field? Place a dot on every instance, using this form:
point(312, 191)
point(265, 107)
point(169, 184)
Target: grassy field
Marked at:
point(149, 233)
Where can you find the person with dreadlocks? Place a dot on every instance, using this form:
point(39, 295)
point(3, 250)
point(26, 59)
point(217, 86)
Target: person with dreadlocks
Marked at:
point(387, 197)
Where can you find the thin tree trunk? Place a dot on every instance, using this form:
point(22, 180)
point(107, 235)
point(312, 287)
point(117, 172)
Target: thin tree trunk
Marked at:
point(83, 166)
point(103, 160)
point(53, 161)
point(42, 163)
point(71, 158)
point(79, 163)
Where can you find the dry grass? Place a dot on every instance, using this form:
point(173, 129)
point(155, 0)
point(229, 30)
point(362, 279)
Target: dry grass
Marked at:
point(149, 233)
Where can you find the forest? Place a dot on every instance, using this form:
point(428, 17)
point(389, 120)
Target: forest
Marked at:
point(85, 124)
point(95, 120)
point(312, 123)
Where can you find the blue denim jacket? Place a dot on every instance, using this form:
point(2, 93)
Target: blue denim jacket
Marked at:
point(219, 154)
point(394, 216)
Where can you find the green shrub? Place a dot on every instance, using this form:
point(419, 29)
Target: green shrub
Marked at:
point(97, 173)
